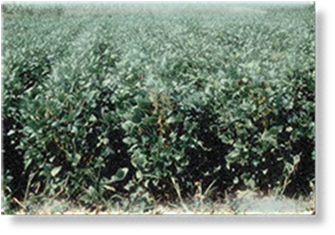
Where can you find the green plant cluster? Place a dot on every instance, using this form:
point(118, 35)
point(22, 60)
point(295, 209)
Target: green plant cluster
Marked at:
point(19, 9)
point(150, 104)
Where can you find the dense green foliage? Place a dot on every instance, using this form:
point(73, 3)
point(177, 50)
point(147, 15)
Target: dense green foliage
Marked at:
point(149, 101)
point(12, 9)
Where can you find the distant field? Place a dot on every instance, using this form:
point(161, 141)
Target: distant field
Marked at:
point(153, 104)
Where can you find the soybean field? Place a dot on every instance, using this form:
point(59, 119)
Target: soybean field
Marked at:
point(158, 107)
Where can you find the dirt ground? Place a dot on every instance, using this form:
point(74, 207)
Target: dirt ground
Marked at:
point(243, 203)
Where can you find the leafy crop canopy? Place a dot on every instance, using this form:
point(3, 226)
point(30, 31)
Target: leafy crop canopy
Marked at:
point(144, 100)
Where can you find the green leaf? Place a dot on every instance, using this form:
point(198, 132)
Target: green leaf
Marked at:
point(110, 188)
point(137, 117)
point(171, 119)
point(91, 191)
point(74, 130)
point(92, 118)
point(127, 125)
point(55, 171)
point(233, 155)
point(288, 129)
point(120, 175)
point(11, 132)
point(275, 130)
point(76, 159)
point(139, 175)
